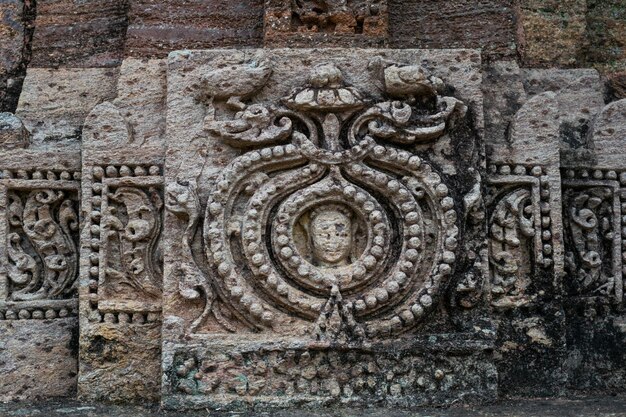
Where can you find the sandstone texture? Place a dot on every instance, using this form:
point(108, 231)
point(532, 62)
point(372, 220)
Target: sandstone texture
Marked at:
point(265, 204)
point(54, 102)
point(79, 34)
point(156, 28)
point(38, 358)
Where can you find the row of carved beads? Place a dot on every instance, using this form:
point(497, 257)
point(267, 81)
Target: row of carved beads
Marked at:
point(51, 175)
point(38, 313)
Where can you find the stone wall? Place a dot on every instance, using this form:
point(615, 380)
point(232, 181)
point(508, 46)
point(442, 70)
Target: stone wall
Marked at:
point(167, 170)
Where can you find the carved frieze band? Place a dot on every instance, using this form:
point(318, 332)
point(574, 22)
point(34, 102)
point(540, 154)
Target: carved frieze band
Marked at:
point(121, 243)
point(520, 235)
point(38, 253)
point(594, 201)
point(327, 373)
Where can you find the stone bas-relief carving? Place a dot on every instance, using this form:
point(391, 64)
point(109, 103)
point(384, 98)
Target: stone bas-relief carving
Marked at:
point(121, 254)
point(39, 238)
point(593, 203)
point(520, 236)
point(316, 227)
point(40, 256)
point(334, 226)
point(126, 225)
point(303, 21)
point(298, 372)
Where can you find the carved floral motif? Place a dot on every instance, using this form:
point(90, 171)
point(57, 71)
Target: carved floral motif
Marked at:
point(594, 232)
point(125, 259)
point(324, 221)
point(520, 236)
point(42, 252)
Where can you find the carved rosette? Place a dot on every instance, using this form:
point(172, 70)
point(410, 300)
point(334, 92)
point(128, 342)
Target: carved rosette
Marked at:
point(327, 220)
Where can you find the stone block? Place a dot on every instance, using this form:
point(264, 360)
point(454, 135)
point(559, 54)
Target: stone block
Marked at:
point(121, 261)
point(55, 102)
point(79, 34)
point(313, 277)
point(156, 28)
point(39, 222)
point(553, 33)
point(38, 358)
point(486, 24)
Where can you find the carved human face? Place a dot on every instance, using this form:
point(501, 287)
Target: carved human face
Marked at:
point(331, 236)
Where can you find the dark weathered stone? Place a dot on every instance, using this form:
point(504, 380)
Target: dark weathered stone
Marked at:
point(553, 33)
point(74, 34)
point(156, 28)
point(486, 24)
point(16, 30)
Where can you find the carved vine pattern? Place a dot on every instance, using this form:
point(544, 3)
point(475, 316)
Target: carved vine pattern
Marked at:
point(42, 253)
point(337, 160)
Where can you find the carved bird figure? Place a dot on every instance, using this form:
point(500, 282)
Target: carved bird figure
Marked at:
point(402, 81)
point(235, 82)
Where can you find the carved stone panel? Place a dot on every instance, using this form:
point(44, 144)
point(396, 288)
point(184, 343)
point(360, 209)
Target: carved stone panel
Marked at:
point(520, 233)
point(39, 231)
point(317, 213)
point(121, 256)
point(311, 22)
point(39, 264)
point(593, 203)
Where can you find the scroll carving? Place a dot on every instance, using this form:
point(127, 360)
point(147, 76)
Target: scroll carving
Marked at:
point(520, 235)
point(511, 231)
point(593, 224)
point(125, 259)
point(42, 252)
point(136, 239)
point(320, 221)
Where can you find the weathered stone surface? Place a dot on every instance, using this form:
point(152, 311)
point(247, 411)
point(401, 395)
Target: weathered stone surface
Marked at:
point(38, 358)
point(141, 91)
point(71, 34)
point(486, 24)
point(553, 32)
point(504, 94)
point(38, 270)
point(313, 23)
point(156, 28)
point(332, 317)
point(13, 134)
point(122, 158)
point(579, 96)
point(120, 362)
point(526, 249)
point(617, 85)
point(121, 267)
point(607, 133)
point(606, 33)
point(55, 102)
point(333, 225)
point(16, 29)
